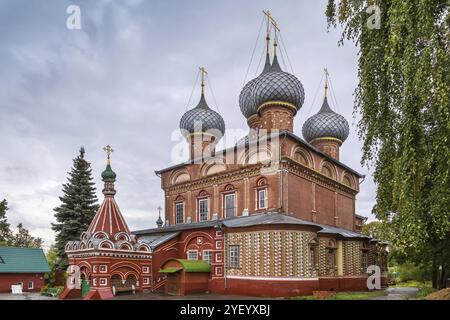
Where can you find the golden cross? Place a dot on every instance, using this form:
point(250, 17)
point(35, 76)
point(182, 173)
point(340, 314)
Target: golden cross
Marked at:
point(159, 210)
point(326, 82)
point(108, 151)
point(204, 73)
point(269, 18)
point(276, 30)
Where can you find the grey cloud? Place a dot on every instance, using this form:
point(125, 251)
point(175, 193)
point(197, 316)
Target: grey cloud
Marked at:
point(125, 80)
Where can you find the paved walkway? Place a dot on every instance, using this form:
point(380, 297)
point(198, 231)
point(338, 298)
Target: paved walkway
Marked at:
point(398, 293)
point(24, 296)
point(158, 296)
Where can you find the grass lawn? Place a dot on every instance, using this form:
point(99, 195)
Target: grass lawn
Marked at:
point(346, 296)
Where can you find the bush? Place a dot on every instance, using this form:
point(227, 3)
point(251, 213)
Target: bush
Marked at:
point(410, 272)
point(44, 290)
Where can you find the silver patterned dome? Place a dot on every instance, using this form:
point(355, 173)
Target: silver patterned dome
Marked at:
point(246, 101)
point(326, 124)
point(202, 116)
point(278, 86)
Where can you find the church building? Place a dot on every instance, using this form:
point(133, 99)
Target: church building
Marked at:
point(274, 215)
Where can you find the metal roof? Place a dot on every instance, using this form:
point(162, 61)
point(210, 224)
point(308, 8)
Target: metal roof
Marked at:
point(23, 260)
point(272, 218)
point(342, 232)
point(155, 240)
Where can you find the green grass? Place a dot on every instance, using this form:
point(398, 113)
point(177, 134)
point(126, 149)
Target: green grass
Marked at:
point(412, 283)
point(346, 296)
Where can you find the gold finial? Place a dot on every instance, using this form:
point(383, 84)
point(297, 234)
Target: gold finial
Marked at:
point(326, 82)
point(269, 18)
point(204, 73)
point(275, 41)
point(159, 210)
point(108, 151)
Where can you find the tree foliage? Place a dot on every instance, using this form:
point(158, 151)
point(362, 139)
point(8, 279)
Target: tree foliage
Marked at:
point(21, 238)
point(403, 98)
point(78, 206)
point(5, 231)
point(377, 230)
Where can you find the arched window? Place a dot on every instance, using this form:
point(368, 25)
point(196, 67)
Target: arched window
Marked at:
point(331, 257)
point(229, 201)
point(313, 256)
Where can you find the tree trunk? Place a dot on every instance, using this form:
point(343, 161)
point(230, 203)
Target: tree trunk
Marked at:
point(443, 279)
point(435, 275)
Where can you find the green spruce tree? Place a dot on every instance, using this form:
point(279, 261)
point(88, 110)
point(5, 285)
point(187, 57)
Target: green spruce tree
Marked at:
point(78, 207)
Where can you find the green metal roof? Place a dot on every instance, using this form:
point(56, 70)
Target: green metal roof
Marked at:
point(22, 260)
point(193, 265)
point(170, 270)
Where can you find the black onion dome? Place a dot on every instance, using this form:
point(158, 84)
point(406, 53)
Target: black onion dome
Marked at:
point(246, 100)
point(204, 116)
point(279, 86)
point(326, 124)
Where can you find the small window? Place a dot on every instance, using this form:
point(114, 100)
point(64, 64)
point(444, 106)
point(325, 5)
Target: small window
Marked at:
point(179, 212)
point(192, 255)
point(330, 260)
point(234, 257)
point(365, 262)
point(208, 256)
point(312, 257)
point(230, 205)
point(203, 209)
point(30, 285)
point(262, 199)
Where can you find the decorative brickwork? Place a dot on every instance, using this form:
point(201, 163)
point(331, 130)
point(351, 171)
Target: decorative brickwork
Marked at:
point(352, 258)
point(272, 254)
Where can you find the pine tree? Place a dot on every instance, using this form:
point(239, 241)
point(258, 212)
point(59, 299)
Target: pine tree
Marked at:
point(5, 231)
point(79, 205)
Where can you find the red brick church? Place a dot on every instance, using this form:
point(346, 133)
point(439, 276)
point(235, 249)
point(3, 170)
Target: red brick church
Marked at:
point(272, 216)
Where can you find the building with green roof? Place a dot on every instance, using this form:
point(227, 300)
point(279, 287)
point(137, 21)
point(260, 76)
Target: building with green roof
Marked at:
point(24, 266)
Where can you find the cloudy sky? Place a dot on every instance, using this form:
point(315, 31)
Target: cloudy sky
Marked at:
point(125, 79)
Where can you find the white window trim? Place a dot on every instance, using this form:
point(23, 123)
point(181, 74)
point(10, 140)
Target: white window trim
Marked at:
point(266, 198)
point(175, 211)
point(207, 208)
point(189, 251)
point(224, 199)
point(231, 265)
point(211, 255)
point(32, 285)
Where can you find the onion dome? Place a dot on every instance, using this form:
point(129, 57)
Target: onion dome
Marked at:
point(277, 86)
point(108, 174)
point(326, 124)
point(201, 118)
point(246, 101)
